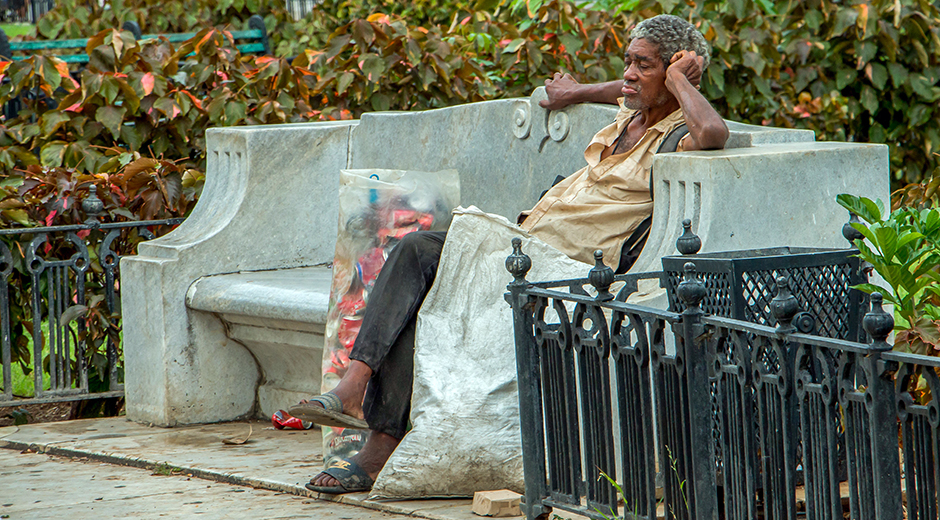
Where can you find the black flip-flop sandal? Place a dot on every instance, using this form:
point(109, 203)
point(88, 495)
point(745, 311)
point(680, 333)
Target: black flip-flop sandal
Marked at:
point(330, 413)
point(350, 476)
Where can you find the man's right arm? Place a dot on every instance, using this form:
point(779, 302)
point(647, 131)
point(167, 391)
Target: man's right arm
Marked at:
point(564, 90)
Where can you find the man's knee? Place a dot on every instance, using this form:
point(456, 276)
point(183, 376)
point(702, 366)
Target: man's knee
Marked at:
point(423, 246)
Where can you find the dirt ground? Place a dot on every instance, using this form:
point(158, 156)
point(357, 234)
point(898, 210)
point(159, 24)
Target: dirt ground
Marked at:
point(48, 412)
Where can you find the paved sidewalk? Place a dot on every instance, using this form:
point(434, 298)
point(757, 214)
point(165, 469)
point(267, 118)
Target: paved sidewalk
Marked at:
point(43, 487)
point(273, 460)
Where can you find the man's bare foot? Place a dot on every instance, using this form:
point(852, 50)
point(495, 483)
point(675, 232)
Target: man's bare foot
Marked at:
point(371, 458)
point(351, 389)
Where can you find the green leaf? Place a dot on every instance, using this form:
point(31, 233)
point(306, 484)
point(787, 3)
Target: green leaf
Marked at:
point(845, 18)
point(886, 241)
point(922, 87)
point(112, 118)
point(363, 33)
point(235, 112)
point(168, 107)
point(869, 99)
point(52, 121)
point(717, 76)
point(879, 75)
point(52, 153)
point(871, 288)
point(372, 66)
point(864, 207)
point(754, 61)
point(571, 42)
point(845, 76)
point(344, 80)
point(813, 19)
point(132, 136)
point(514, 45)
point(380, 102)
point(17, 215)
point(72, 313)
point(109, 90)
point(898, 74)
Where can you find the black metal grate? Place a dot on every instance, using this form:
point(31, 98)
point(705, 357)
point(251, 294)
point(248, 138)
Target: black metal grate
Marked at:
point(741, 285)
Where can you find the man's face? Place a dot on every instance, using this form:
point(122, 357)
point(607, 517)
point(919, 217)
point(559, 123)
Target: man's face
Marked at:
point(644, 76)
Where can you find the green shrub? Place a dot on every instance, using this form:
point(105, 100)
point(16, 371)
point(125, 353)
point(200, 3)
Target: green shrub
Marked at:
point(903, 247)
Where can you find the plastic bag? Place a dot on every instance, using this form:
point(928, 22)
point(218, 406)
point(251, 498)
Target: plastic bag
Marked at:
point(376, 209)
point(465, 434)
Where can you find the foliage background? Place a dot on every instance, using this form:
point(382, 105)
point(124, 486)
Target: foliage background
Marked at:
point(860, 70)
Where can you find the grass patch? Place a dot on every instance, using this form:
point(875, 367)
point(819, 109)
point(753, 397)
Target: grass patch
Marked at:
point(18, 29)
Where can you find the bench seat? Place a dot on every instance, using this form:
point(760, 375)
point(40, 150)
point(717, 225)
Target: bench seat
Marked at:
point(279, 315)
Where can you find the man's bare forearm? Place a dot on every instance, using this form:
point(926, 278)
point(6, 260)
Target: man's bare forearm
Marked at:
point(564, 90)
point(707, 130)
point(608, 92)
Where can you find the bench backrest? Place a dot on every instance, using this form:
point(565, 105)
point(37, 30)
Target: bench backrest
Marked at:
point(507, 151)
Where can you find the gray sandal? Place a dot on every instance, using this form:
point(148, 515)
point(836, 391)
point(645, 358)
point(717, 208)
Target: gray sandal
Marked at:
point(330, 413)
point(350, 476)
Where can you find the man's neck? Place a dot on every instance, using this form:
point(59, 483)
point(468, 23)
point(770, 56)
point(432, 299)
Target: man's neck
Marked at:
point(651, 116)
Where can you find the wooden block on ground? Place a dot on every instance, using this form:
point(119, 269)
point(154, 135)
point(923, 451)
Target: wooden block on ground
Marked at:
point(497, 503)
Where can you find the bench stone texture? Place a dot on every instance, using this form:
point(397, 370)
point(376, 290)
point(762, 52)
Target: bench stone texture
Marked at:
point(224, 317)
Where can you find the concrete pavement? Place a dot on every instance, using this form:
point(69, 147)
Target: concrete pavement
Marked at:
point(74, 484)
point(41, 486)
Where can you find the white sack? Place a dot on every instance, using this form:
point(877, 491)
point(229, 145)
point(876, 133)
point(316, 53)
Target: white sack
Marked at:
point(465, 408)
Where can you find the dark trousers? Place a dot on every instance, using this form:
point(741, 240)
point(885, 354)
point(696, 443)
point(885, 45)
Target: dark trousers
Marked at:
point(386, 340)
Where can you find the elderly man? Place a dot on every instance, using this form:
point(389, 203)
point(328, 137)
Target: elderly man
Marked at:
point(602, 205)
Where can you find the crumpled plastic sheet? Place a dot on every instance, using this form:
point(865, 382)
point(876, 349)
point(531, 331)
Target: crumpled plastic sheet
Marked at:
point(465, 406)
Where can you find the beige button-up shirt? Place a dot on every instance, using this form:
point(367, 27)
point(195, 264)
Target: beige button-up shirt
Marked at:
point(603, 203)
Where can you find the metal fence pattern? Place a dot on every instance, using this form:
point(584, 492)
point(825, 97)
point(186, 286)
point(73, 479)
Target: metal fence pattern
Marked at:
point(24, 11)
point(802, 420)
point(55, 285)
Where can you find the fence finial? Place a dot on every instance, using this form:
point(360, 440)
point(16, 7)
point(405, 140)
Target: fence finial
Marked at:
point(784, 306)
point(850, 233)
point(92, 205)
point(518, 263)
point(691, 290)
point(689, 243)
point(878, 323)
point(601, 277)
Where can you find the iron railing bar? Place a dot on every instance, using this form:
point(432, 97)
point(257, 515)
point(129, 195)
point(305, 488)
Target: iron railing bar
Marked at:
point(63, 397)
point(804, 339)
point(612, 305)
point(913, 359)
point(649, 275)
point(92, 226)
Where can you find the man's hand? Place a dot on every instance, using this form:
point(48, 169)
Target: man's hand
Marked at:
point(561, 90)
point(707, 130)
point(687, 64)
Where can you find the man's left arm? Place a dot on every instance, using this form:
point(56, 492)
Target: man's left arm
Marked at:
point(707, 130)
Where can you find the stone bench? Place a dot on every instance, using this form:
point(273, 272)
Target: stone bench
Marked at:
point(224, 317)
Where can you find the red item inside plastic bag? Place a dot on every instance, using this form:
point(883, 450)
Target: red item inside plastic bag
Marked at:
point(369, 265)
point(348, 330)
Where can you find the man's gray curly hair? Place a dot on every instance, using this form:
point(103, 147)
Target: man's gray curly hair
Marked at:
point(672, 34)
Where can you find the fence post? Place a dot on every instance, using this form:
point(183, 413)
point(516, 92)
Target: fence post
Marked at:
point(704, 485)
point(530, 392)
point(882, 412)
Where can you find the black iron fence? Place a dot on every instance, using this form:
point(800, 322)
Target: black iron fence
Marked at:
point(24, 11)
point(59, 306)
point(300, 8)
point(689, 415)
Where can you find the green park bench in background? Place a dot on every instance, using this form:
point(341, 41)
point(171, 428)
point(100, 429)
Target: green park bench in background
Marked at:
point(254, 40)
